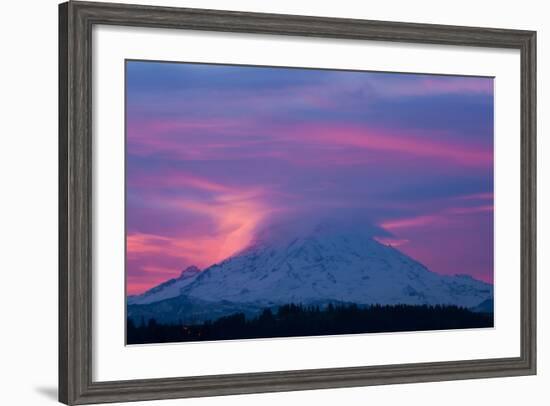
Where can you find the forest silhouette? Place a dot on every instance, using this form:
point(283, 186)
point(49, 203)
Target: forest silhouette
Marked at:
point(292, 320)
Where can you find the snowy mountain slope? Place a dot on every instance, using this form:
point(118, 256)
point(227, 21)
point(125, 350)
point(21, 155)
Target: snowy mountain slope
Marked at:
point(166, 290)
point(331, 264)
point(319, 263)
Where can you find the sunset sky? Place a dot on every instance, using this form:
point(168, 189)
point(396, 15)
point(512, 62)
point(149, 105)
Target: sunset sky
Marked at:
point(214, 152)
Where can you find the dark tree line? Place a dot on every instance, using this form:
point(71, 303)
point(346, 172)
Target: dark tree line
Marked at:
point(297, 320)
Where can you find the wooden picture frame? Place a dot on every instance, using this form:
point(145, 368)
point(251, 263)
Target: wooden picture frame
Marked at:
point(76, 20)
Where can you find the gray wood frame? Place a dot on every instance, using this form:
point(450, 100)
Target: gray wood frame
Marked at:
point(76, 20)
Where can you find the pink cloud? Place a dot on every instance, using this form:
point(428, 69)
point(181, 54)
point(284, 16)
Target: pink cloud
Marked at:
point(470, 210)
point(234, 213)
point(430, 85)
point(477, 196)
point(417, 221)
point(333, 144)
point(440, 217)
point(174, 179)
point(378, 140)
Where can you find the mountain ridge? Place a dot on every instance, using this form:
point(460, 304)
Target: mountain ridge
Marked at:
point(166, 290)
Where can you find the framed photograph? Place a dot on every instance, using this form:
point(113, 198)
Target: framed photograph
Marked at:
point(257, 202)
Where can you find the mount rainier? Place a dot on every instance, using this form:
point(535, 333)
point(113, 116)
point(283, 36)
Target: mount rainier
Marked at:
point(317, 263)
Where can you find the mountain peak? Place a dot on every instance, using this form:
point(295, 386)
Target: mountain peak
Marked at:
point(189, 272)
point(166, 290)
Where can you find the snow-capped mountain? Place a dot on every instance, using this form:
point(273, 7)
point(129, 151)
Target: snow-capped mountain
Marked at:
point(315, 263)
point(166, 290)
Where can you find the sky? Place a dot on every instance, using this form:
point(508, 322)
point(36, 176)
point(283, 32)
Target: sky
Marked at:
point(216, 152)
